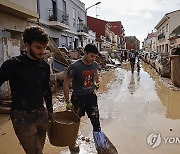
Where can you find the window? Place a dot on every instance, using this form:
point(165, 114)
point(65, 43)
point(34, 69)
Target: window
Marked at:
point(64, 6)
point(54, 10)
point(167, 28)
point(163, 48)
point(74, 17)
point(163, 30)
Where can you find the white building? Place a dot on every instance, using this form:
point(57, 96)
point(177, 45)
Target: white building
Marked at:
point(164, 28)
point(149, 43)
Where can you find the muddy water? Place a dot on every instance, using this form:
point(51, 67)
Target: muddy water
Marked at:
point(169, 98)
point(136, 105)
point(106, 78)
point(131, 107)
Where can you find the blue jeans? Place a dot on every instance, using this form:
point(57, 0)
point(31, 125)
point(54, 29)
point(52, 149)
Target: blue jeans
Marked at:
point(30, 128)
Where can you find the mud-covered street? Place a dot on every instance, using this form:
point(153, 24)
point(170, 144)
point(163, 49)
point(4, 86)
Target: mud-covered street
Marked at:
point(132, 106)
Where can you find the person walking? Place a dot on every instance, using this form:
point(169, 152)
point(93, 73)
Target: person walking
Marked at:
point(84, 77)
point(29, 77)
point(132, 58)
point(125, 55)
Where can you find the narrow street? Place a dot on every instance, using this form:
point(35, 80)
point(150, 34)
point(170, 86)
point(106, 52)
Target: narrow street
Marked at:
point(46, 43)
point(132, 106)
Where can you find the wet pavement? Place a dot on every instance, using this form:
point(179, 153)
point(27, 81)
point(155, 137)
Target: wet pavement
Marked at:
point(132, 108)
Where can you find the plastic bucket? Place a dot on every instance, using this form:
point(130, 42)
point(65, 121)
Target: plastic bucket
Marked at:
point(64, 131)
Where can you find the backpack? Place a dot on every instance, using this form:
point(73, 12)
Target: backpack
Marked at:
point(132, 55)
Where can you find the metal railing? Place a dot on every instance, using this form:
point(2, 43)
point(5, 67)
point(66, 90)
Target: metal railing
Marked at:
point(82, 28)
point(58, 15)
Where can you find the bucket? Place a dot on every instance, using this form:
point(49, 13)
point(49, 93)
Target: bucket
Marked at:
point(64, 130)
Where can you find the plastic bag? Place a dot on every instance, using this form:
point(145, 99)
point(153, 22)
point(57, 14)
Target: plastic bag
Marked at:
point(103, 144)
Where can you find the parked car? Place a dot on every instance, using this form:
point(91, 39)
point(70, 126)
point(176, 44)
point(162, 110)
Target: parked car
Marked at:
point(153, 59)
point(162, 64)
point(143, 55)
point(150, 57)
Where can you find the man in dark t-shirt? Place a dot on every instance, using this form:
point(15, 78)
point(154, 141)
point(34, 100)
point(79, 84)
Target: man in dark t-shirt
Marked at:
point(29, 77)
point(84, 77)
point(132, 59)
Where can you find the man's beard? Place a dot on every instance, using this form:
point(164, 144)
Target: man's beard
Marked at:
point(33, 54)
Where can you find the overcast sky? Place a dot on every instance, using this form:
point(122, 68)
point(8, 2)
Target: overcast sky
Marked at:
point(137, 16)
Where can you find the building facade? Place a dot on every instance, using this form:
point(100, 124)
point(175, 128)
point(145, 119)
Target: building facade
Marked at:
point(132, 43)
point(109, 35)
point(65, 22)
point(119, 31)
point(15, 16)
point(149, 43)
point(164, 28)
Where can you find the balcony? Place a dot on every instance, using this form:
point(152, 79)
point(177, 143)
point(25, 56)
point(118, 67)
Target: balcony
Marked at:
point(82, 29)
point(161, 36)
point(58, 19)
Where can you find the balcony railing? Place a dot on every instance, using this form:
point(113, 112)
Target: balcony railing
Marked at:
point(161, 36)
point(82, 28)
point(58, 15)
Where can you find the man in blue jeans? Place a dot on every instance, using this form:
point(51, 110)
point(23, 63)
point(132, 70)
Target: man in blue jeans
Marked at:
point(29, 77)
point(84, 77)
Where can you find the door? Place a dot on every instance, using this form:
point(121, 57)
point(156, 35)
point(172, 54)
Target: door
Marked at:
point(64, 41)
point(9, 48)
point(54, 5)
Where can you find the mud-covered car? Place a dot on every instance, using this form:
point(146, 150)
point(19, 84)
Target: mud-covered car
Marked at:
point(149, 56)
point(143, 56)
point(162, 64)
point(153, 59)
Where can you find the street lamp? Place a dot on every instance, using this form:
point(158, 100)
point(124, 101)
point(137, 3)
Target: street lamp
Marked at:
point(89, 8)
point(92, 5)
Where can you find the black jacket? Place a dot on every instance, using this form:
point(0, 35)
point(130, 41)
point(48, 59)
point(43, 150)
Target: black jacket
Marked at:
point(29, 82)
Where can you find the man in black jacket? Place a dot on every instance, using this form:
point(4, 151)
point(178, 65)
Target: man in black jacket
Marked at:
point(29, 77)
point(132, 59)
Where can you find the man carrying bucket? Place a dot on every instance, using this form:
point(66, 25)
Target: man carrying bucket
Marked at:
point(84, 77)
point(29, 77)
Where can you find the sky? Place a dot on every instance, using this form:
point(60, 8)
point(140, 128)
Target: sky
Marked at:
point(138, 17)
